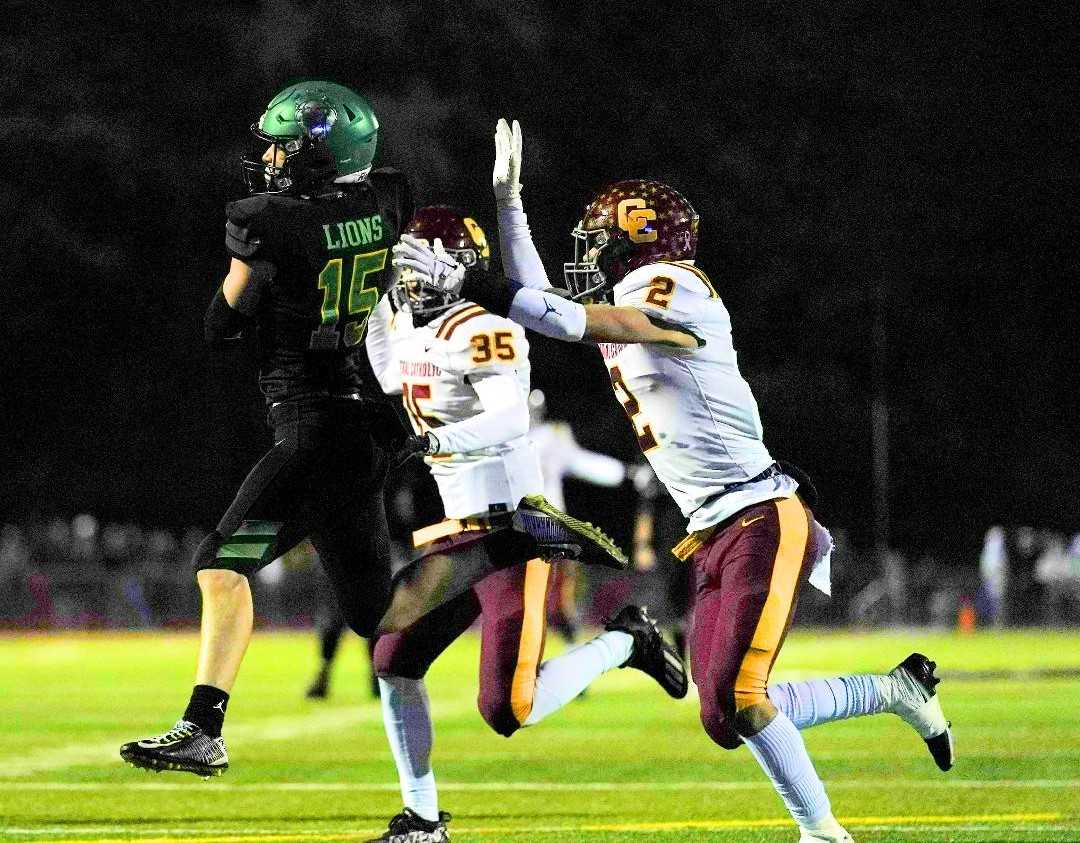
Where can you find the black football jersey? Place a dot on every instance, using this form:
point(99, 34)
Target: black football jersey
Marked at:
point(323, 265)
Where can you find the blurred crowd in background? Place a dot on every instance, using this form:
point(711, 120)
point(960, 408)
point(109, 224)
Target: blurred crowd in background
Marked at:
point(59, 572)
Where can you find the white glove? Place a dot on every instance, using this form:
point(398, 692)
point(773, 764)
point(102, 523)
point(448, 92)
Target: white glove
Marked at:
point(506, 176)
point(434, 265)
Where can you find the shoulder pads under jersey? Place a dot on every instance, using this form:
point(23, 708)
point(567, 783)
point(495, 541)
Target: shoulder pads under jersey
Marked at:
point(672, 291)
point(245, 225)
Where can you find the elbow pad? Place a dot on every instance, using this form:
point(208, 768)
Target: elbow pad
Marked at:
point(222, 324)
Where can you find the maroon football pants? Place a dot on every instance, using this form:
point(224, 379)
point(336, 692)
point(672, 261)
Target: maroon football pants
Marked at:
point(511, 604)
point(747, 578)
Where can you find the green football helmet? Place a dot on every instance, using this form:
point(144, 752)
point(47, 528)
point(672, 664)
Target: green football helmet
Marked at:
point(324, 130)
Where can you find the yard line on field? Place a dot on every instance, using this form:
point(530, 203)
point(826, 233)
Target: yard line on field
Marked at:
point(271, 729)
point(541, 787)
point(1015, 674)
point(968, 755)
point(917, 824)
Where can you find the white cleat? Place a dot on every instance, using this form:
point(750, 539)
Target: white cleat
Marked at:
point(825, 831)
point(913, 698)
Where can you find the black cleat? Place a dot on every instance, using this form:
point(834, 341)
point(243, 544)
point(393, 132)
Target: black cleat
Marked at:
point(917, 703)
point(409, 827)
point(652, 654)
point(185, 748)
point(561, 536)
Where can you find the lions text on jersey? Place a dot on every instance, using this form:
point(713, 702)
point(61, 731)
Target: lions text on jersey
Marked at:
point(695, 417)
point(438, 366)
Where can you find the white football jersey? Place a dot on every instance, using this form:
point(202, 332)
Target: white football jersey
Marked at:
point(695, 417)
point(435, 364)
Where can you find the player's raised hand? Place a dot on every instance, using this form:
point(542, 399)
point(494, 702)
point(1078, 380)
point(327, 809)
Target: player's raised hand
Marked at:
point(506, 175)
point(434, 264)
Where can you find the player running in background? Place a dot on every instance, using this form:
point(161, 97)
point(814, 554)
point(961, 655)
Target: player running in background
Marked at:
point(561, 456)
point(330, 628)
point(753, 541)
point(658, 526)
point(463, 376)
point(309, 263)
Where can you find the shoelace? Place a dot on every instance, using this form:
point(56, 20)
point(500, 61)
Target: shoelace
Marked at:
point(178, 732)
point(399, 824)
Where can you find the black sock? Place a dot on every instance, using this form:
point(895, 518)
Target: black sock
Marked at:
point(329, 639)
point(207, 709)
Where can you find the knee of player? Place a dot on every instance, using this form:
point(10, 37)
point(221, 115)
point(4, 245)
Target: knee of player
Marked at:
point(205, 556)
point(392, 661)
point(755, 715)
point(220, 580)
point(719, 726)
point(365, 626)
point(217, 569)
point(382, 663)
point(498, 712)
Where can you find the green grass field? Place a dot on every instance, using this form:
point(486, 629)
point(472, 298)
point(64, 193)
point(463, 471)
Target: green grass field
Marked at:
point(625, 763)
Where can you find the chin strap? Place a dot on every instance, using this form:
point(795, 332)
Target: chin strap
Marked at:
point(353, 178)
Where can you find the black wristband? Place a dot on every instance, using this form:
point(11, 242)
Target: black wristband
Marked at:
point(490, 290)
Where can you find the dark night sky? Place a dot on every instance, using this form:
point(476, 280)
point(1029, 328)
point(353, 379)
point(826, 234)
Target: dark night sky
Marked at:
point(831, 148)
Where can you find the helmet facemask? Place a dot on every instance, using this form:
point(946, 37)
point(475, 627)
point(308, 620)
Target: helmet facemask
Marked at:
point(263, 177)
point(307, 160)
point(599, 263)
point(424, 300)
point(583, 276)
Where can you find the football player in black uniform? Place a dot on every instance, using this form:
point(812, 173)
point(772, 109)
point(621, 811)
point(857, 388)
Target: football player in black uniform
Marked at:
point(309, 263)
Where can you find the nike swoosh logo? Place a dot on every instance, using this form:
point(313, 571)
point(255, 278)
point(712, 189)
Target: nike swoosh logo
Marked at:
point(746, 522)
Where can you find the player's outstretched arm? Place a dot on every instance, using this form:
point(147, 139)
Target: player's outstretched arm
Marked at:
point(543, 311)
point(520, 260)
point(607, 323)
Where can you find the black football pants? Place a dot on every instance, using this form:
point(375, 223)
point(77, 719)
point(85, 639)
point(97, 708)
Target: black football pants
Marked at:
point(322, 480)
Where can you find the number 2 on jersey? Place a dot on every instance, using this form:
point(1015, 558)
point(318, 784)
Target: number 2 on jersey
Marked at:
point(359, 300)
point(646, 441)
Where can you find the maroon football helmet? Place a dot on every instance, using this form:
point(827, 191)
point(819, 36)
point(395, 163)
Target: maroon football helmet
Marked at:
point(461, 236)
point(629, 224)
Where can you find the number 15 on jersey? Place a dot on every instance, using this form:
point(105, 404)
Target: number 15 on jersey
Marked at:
point(347, 306)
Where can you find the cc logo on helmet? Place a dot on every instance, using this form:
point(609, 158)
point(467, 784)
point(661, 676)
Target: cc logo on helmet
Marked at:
point(633, 217)
point(478, 236)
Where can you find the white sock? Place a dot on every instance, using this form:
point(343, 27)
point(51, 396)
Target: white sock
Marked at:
point(564, 677)
point(780, 751)
point(407, 719)
point(824, 700)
